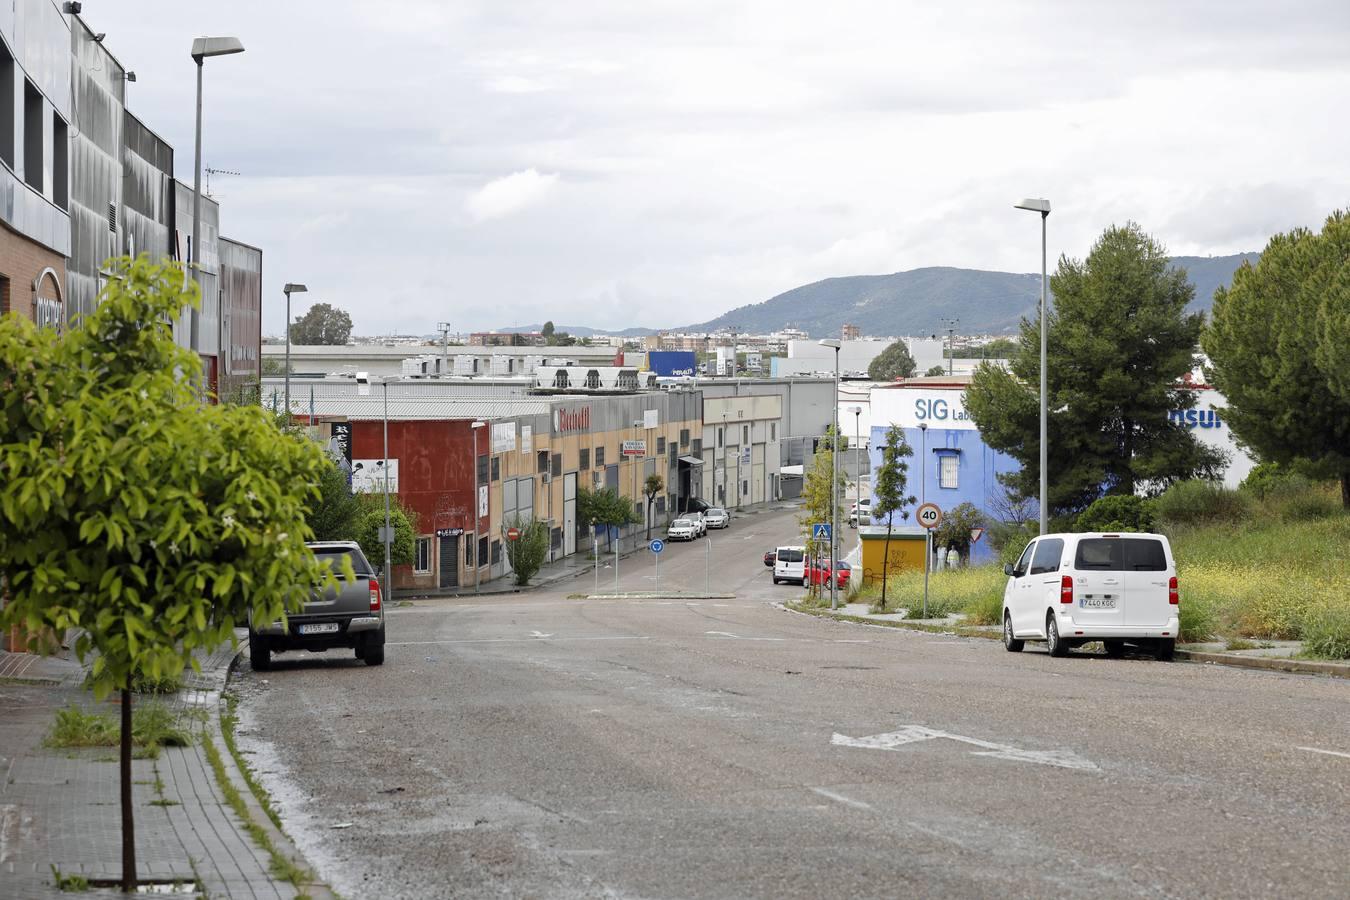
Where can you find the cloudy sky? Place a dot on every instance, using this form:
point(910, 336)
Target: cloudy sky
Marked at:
point(616, 163)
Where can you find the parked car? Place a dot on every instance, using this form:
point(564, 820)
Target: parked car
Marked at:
point(820, 574)
point(694, 505)
point(717, 518)
point(865, 518)
point(1069, 589)
point(769, 557)
point(789, 564)
point(700, 523)
point(350, 616)
point(682, 529)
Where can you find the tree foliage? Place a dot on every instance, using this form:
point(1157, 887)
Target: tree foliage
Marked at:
point(888, 492)
point(604, 507)
point(892, 363)
point(131, 511)
point(935, 370)
point(322, 323)
point(816, 488)
point(954, 532)
point(1118, 343)
point(403, 548)
point(999, 348)
point(651, 489)
point(1279, 343)
point(335, 513)
point(1117, 512)
point(527, 553)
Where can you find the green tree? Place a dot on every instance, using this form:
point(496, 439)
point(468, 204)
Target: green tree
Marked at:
point(999, 348)
point(652, 489)
point(1274, 342)
point(128, 509)
point(527, 553)
point(604, 507)
point(892, 363)
point(1119, 341)
point(935, 370)
point(547, 331)
point(954, 532)
point(816, 492)
point(335, 514)
point(403, 548)
point(273, 366)
point(888, 492)
point(322, 323)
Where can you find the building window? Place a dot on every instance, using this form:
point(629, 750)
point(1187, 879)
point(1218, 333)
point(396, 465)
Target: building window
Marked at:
point(468, 551)
point(948, 465)
point(496, 468)
point(482, 470)
point(599, 457)
point(542, 461)
point(32, 136)
point(745, 488)
point(684, 437)
point(422, 557)
point(482, 550)
point(660, 446)
point(60, 166)
point(696, 446)
point(7, 68)
point(745, 435)
point(720, 441)
point(585, 459)
point(773, 432)
point(496, 552)
point(557, 464)
point(660, 506)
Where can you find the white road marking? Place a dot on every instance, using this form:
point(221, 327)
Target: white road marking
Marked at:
point(849, 641)
point(539, 634)
point(529, 640)
point(909, 734)
point(840, 798)
point(1327, 752)
point(737, 637)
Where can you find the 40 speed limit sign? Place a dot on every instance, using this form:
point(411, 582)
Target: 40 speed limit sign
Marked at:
point(929, 515)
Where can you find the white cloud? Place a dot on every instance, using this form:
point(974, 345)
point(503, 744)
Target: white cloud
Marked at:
point(509, 195)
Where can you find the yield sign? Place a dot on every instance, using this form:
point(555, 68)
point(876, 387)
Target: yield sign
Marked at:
point(910, 734)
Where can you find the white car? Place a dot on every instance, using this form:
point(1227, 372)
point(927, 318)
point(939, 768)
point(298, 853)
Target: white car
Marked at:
point(717, 518)
point(682, 530)
point(854, 519)
point(700, 523)
point(1069, 589)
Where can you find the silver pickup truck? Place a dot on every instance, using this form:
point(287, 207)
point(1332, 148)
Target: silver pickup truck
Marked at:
point(351, 616)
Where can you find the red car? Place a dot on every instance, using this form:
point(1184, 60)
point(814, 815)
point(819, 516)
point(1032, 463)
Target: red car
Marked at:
point(820, 574)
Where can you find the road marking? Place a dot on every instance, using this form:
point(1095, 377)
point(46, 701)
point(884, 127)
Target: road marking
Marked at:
point(737, 637)
point(539, 634)
point(1327, 752)
point(910, 734)
point(848, 641)
point(528, 640)
point(840, 798)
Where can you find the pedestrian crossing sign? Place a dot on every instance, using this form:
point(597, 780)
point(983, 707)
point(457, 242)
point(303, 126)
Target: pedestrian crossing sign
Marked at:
point(820, 531)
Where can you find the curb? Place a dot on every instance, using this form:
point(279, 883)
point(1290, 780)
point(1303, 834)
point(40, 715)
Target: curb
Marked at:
point(660, 595)
point(284, 846)
point(1270, 663)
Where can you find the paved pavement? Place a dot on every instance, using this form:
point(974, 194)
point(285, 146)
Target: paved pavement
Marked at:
point(61, 807)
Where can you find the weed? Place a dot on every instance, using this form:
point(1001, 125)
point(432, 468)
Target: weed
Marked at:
point(164, 802)
point(1240, 644)
point(76, 728)
point(227, 724)
point(1197, 621)
point(1191, 502)
point(1326, 632)
point(985, 609)
point(69, 882)
point(152, 726)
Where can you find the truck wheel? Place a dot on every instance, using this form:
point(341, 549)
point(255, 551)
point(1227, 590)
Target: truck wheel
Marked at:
point(373, 648)
point(1165, 649)
point(259, 653)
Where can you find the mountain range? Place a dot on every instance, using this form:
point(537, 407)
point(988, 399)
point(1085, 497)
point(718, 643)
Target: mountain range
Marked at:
point(917, 301)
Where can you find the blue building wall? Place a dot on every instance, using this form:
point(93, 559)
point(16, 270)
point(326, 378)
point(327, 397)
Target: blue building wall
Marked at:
point(976, 478)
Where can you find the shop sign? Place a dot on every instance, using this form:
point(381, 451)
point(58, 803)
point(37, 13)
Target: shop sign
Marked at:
point(1193, 418)
point(576, 419)
point(368, 476)
point(634, 448)
point(449, 532)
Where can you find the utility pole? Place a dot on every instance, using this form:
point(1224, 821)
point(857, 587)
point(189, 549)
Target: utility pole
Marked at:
point(445, 347)
point(950, 326)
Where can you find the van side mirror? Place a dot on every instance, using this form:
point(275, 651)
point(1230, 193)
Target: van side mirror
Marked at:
point(1008, 569)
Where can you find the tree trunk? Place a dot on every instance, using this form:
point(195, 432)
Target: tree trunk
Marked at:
point(885, 565)
point(1345, 489)
point(128, 824)
point(650, 501)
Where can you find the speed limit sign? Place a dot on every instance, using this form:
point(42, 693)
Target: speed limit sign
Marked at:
point(929, 515)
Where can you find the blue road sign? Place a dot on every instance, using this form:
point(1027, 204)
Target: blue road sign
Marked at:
point(656, 546)
point(820, 531)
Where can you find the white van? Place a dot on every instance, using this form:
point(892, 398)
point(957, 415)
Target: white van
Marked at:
point(1069, 589)
point(790, 565)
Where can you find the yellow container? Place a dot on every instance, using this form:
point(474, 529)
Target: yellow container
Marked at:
point(905, 555)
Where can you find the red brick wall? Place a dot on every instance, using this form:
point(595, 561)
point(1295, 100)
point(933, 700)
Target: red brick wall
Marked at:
point(20, 261)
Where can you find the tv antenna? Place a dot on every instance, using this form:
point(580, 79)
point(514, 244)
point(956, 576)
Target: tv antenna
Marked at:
point(210, 171)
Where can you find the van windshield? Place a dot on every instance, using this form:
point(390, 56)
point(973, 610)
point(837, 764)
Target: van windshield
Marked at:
point(790, 556)
point(1120, 555)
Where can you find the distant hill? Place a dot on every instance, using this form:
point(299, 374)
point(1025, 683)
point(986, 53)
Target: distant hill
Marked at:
point(915, 302)
point(578, 330)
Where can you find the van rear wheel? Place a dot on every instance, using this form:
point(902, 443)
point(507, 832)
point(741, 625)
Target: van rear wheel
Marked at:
point(1053, 642)
point(1165, 649)
point(1114, 649)
point(1010, 643)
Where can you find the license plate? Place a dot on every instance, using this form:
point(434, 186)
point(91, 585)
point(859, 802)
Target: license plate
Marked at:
point(1098, 602)
point(319, 628)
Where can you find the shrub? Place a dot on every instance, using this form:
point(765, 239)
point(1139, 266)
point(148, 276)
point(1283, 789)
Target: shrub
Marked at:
point(1296, 499)
point(1326, 631)
point(1197, 501)
point(1263, 478)
point(1117, 512)
point(1010, 539)
point(985, 609)
point(1197, 622)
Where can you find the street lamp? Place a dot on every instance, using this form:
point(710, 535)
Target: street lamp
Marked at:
point(290, 288)
point(1041, 206)
point(477, 563)
point(834, 483)
point(857, 457)
point(203, 47)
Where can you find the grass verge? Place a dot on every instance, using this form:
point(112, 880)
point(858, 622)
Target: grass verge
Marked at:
point(152, 726)
point(959, 630)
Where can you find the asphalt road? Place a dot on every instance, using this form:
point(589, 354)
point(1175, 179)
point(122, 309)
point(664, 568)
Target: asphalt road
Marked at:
point(534, 746)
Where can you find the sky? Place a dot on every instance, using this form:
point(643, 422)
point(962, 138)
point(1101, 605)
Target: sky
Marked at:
point(656, 163)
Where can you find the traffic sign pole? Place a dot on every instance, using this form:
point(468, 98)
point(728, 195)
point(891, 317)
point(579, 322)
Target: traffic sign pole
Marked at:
point(930, 517)
point(656, 546)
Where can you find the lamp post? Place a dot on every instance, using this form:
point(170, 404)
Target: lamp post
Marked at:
point(923, 493)
point(1041, 206)
point(477, 563)
point(857, 457)
point(291, 288)
point(203, 47)
point(388, 531)
point(834, 478)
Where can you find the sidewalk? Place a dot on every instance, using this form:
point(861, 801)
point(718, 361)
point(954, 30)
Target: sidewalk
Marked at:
point(60, 807)
point(1271, 655)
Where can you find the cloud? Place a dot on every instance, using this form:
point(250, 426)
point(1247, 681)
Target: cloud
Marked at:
point(509, 195)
